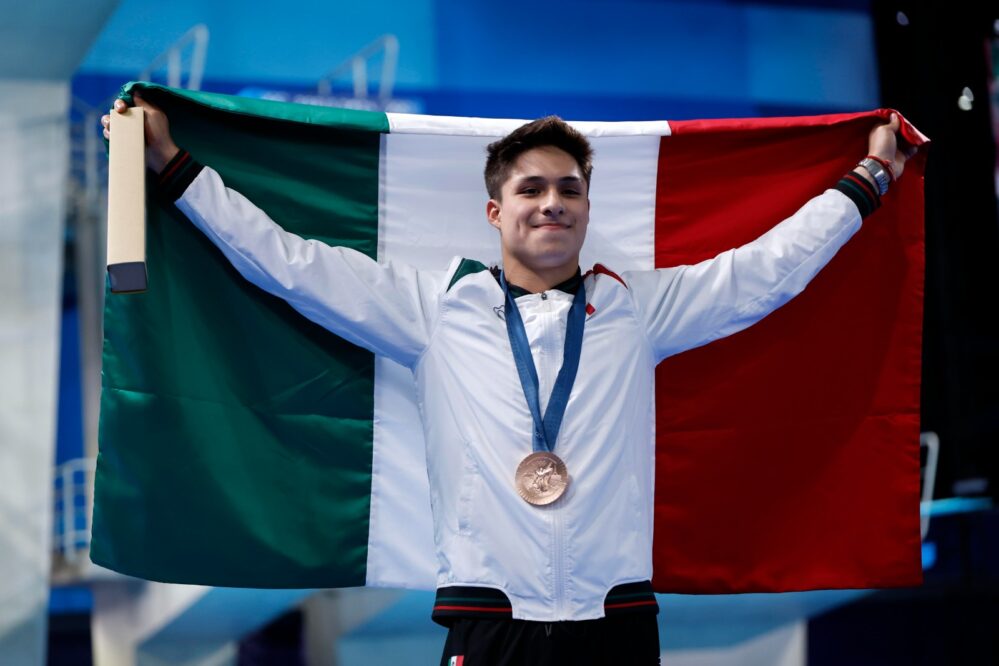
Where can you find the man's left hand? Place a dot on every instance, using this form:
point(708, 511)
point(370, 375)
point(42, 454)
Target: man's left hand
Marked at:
point(886, 143)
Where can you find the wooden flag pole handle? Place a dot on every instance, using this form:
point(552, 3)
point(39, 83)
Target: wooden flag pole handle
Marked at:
point(127, 202)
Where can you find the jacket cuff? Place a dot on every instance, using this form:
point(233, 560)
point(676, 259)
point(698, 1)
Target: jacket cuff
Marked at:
point(176, 176)
point(860, 192)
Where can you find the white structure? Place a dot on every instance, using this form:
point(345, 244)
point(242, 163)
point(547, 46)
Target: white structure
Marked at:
point(34, 105)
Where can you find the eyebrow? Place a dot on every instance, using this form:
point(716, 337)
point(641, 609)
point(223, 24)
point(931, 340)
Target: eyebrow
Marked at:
point(541, 179)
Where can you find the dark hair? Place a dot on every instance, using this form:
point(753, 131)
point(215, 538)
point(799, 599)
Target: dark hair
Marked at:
point(547, 131)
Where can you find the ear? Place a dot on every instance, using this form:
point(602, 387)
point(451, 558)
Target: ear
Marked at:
point(493, 212)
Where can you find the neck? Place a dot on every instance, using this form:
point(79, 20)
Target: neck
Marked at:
point(536, 280)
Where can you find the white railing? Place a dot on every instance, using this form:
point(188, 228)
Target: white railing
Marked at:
point(86, 216)
point(74, 485)
point(931, 442)
point(357, 66)
point(172, 59)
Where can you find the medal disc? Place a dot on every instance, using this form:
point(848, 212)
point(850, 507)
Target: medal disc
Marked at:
point(541, 478)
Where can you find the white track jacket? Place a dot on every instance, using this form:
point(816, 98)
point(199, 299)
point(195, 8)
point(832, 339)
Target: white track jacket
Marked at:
point(557, 562)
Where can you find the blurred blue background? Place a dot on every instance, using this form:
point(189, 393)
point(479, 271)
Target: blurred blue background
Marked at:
point(599, 60)
point(586, 60)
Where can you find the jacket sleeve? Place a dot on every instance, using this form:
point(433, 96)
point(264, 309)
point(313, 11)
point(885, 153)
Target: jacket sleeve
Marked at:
point(387, 308)
point(684, 307)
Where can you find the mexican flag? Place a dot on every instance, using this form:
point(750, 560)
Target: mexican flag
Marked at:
point(243, 445)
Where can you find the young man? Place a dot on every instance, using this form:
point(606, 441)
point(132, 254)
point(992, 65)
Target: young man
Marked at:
point(535, 381)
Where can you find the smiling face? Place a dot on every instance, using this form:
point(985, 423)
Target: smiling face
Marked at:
point(541, 215)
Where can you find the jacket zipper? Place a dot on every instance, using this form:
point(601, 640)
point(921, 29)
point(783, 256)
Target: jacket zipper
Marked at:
point(558, 528)
point(559, 564)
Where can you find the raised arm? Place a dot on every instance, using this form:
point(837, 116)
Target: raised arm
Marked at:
point(386, 308)
point(683, 307)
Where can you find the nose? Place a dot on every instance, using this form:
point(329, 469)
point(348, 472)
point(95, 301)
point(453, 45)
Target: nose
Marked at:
point(552, 205)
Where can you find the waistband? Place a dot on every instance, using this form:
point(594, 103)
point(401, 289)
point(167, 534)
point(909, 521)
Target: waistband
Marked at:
point(489, 603)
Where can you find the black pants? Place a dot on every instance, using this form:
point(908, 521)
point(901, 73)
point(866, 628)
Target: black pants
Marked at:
point(631, 640)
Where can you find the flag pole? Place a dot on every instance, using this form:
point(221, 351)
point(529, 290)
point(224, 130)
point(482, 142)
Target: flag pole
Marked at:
point(127, 203)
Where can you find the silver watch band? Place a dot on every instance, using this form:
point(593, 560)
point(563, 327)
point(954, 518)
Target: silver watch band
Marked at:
point(877, 172)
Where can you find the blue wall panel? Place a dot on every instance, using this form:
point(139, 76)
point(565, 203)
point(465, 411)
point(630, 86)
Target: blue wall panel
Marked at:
point(596, 47)
point(736, 55)
point(274, 41)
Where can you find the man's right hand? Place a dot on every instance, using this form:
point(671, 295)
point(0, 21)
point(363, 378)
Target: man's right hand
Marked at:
point(160, 148)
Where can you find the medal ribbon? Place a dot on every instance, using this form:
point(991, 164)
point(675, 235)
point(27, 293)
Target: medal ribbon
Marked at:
point(546, 429)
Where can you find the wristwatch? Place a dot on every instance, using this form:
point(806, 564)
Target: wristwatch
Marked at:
point(877, 172)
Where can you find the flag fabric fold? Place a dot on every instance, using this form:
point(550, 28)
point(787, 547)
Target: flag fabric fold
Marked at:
point(242, 445)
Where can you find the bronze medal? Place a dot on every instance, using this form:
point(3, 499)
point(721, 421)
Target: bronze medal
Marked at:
point(541, 478)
